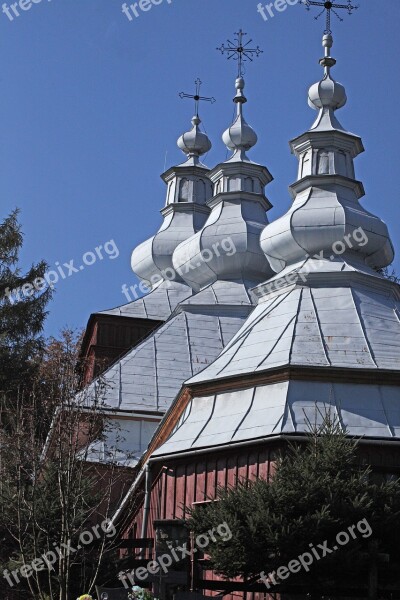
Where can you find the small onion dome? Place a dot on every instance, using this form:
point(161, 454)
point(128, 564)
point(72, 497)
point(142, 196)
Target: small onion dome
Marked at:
point(194, 142)
point(239, 136)
point(327, 93)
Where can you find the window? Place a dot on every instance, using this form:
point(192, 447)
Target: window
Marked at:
point(323, 163)
point(183, 190)
point(200, 191)
point(248, 184)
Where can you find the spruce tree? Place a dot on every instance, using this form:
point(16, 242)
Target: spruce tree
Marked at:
point(22, 309)
point(318, 490)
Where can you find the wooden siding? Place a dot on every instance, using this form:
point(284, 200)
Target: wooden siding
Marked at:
point(179, 484)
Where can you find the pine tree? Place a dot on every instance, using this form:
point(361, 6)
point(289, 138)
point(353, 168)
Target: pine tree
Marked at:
point(318, 490)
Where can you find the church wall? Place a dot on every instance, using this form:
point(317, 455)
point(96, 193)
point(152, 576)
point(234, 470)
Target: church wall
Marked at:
point(179, 484)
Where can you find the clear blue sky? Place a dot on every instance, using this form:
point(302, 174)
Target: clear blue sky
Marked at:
point(89, 108)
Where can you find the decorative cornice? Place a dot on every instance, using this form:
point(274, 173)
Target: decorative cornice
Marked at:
point(184, 169)
point(239, 197)
point(320, 139)
point(323, 181)
point(241, 168)
point(328, 279)
point(298, 373)
point(184, 207)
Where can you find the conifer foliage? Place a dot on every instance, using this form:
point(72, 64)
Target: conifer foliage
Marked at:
point(318, 490)
point(22, 309)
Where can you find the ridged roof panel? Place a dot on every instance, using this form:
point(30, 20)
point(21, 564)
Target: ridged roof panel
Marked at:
point(368, 410)
point(343, 327)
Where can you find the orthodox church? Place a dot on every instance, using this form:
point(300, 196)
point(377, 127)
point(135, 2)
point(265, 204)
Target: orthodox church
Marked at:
point(201, 266)
point(298, 316)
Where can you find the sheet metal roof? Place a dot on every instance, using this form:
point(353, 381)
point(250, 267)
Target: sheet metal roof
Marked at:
point(283, 408)
point(150, 375)
point(125, 442)
point(158, 304)
point(349, 326)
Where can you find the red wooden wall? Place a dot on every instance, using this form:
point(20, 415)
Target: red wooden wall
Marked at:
point(180, 483)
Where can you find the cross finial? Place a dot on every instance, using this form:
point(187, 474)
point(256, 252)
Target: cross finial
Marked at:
point(240, 51)
point(196, 97)
point(330, 7)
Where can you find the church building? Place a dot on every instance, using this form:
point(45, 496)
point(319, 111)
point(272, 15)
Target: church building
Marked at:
point(201, 266)
point(298, 318)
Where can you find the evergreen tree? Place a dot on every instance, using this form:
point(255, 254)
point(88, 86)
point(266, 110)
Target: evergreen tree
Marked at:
point(22, 309)
point(317, 491)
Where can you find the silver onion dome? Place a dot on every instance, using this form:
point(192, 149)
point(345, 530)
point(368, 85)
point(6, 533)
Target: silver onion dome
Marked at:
point(239, 136)
point(194, 143)
point(327, 93)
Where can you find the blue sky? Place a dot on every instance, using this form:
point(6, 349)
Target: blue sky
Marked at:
point(90, 113)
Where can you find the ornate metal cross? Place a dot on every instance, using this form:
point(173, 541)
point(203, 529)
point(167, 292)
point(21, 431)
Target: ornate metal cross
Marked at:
point(329, 7)
point(196, 97)
point(240, 51)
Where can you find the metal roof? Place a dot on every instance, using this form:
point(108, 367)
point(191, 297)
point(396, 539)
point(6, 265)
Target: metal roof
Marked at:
point(124, 442)
point(158, 304)
point(150, 375)
point(343, 326)
point(285, 408)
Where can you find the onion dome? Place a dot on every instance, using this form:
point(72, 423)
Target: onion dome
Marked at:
point(326, 218)
point(327, 93)
point(185, 212)
point(227, 248)
point(194, 143)
point(240, 137)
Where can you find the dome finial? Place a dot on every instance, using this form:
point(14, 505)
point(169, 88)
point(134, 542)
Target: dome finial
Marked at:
point(240, 137)
point(328, 7)
point(196, 97)
point(195, 143)
point(328, 93)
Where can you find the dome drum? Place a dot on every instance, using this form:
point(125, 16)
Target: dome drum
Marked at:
point(187, 184)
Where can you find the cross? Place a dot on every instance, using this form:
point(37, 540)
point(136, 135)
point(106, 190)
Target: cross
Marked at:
point(329, 7)
point(240, 51)
point(196, 97)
